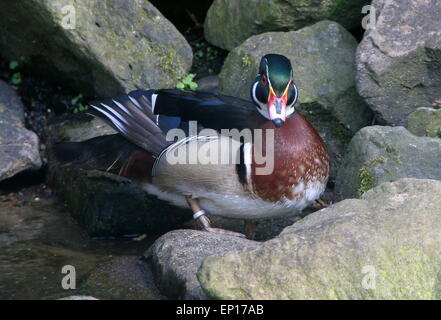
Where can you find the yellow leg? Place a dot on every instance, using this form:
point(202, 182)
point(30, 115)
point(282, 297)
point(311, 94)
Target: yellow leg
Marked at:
point(203, 221)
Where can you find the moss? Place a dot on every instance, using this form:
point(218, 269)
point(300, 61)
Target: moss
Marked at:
point(246, 61)
point(391, 150)
point(367, 179)
point(341, 133)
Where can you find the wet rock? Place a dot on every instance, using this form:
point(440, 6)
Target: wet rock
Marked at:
point(32, 270)
point(323, 60)
point(230, 22)
point(177, 255)
point(103, 46)
point(122, 278)
point(383, 246)
point(109, 205)
point(425, 122)
point(19, 147)
point(380, 154)
point(398, 62)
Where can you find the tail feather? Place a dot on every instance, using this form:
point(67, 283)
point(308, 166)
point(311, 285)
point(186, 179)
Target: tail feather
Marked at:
point(132, 116)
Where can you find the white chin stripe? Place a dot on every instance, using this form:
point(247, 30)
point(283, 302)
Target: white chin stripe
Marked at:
point(263, 110)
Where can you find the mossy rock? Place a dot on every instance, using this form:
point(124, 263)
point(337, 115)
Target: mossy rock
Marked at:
point(230, 22)
point(109, 46)
point(398, 62)
point(382, 246)
point(380, 154)
point(425, 122)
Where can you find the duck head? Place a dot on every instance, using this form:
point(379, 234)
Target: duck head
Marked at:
point(274, 91)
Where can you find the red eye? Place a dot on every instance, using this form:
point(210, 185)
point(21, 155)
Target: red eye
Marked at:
point(263, 80)
point(291, 84)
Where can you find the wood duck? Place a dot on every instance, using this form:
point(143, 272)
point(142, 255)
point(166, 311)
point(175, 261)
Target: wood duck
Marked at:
point(235, 190)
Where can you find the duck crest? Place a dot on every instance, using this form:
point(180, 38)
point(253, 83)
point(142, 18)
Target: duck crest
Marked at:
point(301, 162)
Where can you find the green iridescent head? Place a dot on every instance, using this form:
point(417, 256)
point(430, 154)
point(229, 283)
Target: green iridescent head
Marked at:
point(274, 91)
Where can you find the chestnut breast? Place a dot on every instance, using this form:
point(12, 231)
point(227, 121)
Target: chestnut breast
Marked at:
point(300, 158)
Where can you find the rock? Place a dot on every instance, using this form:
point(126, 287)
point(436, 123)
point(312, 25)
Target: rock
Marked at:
point(380, 154)
point(77, 128)
point(19, 147)
point(209, 84)
point(106, 46)
point(177, 255)
point(230, 22)
point(384, 246)
point(11, 106)
point(108, 205)
point(32, 270)
point(398, 61)
point(122, 278)
point(323, 60)
point(425, 122)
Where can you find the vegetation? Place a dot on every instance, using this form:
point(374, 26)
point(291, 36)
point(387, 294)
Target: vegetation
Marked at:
point(187, 83)
point(16, 76)
point(77, 104)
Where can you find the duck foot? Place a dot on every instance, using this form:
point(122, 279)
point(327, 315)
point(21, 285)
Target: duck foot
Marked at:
point(321, 203)
point(204, 223)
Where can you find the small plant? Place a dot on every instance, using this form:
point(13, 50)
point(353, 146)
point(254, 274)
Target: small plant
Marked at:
point(246, 61)
point(187, 83)
point(16, 76)
point(77, 104)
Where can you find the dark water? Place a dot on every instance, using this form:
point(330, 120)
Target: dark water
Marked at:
point(38, 237)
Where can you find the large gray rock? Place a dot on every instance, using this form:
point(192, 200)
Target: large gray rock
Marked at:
point(384, 246)
point(379, 154)
point(230, 22)
point(113, 46)
point(398, 61)
point(425, 122)
point(122, 278)
point(176, 257)
point(323, 59)
point(19, 147)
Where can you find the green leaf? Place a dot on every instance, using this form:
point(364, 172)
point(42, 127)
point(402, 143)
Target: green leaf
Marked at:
point(16, 78)
point(193, 86)
point(180, 86)
point(13, 65)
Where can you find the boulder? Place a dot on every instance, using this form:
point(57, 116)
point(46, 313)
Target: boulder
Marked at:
point(104, 46)
point(77, 128)
point(425, 122)
point(398, 62)
point(323, 60)
point(383, 246)
point(19, 147)
point(177, 255)
point(230, 22)
point(122, 278)
point(379, 154)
